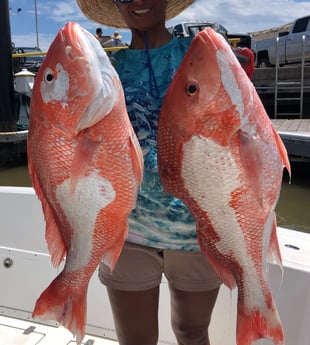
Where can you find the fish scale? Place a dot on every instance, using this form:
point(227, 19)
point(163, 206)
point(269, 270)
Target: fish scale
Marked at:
point(219, 153)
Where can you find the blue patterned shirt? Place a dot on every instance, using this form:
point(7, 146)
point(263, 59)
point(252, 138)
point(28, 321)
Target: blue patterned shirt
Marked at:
point(158, 220)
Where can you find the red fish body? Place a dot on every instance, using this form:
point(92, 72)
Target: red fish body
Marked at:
point(86, 167)
point(219, 153)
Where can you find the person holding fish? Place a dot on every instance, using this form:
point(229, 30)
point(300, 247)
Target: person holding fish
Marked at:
point(162, 235)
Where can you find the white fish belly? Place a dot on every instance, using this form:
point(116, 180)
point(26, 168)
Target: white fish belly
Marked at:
point(92, 193)
point(210, 184)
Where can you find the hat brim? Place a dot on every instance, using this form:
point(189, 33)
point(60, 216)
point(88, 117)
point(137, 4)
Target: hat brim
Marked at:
point(106, 13)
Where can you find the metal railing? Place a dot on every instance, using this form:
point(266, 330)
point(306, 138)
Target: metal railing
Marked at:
point(292, 85)
point(18, 55)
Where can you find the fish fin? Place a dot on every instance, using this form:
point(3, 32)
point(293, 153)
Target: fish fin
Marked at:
point(257, 324)
point(55, 243)
point(62, 303)
point(251, 163)
point(283, 152)
point(111, 256)
point(136, 157)
point(273, 253)
point(84, 153)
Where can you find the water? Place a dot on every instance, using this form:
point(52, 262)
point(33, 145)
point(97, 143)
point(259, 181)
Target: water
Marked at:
point(293, 209)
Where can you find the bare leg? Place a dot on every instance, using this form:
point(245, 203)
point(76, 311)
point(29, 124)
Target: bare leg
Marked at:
point(191, 315)
point(135, 316)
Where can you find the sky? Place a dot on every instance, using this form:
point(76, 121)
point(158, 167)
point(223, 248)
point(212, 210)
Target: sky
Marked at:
point(29, 27)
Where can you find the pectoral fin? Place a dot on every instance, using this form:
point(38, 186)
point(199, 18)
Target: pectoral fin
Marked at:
point(252, 164)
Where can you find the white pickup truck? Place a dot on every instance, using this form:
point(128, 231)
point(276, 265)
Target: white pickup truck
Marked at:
point(290, 45)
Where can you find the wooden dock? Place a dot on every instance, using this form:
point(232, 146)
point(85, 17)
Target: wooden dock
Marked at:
point(295, 134)
point(13, 147)
point(13, 137)
point(297, 126)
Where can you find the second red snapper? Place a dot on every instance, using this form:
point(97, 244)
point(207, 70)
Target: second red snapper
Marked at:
point(219, 152)
point(86, 166)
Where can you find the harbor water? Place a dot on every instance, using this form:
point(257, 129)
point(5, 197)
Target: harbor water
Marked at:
point(293, 209)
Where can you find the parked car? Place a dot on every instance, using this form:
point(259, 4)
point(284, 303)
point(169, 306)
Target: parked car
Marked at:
point(31, 62)
point(288, 45)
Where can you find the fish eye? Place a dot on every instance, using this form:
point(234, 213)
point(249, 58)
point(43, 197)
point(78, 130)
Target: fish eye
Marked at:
point(48, 76)
point(191, 88)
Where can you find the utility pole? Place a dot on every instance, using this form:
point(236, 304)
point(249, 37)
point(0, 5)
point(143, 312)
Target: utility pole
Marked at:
point(7, 113)
point(36, 19)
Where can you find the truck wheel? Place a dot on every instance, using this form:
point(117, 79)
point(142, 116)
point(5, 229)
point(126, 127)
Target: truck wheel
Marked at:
point(263, 63)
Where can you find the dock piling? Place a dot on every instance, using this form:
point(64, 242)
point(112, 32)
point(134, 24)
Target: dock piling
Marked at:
point(7, 113)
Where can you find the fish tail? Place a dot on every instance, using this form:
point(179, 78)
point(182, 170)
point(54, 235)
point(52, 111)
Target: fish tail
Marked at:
point(63, 303)
point(256, 324)
point(274, 253)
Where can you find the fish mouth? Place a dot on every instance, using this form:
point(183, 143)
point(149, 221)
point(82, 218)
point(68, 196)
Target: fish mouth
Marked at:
point(70, 35)
point(205, 37)
point(66, 33)
point(212, 39)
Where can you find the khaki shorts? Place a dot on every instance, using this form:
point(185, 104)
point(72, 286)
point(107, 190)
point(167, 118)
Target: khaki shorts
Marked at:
point(140, 268)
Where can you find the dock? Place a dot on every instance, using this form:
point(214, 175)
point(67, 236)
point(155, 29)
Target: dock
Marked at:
point(13, 137)
point(13, 147)
point(295, 134)
point(284, 91)
point(285, 94)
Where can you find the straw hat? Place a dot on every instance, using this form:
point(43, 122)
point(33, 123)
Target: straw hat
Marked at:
point(116, 36)
point(106, 13)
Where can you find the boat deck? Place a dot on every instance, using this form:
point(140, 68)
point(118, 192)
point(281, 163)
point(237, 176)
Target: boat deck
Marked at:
point(14, 331)
point(26, 270)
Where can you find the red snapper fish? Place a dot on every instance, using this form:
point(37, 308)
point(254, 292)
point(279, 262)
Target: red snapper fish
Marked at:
point(220, 154)
point(86, 167)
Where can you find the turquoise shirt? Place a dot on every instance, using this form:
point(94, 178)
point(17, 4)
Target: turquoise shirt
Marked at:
point(159, 220)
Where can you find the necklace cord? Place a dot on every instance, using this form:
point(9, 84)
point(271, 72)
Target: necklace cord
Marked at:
point(154, 91)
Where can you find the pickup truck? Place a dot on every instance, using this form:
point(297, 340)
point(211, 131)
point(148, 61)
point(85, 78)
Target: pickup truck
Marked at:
point(289, 45)
point(191, 28)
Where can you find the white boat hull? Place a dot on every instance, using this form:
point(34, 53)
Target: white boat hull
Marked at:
point(26, 271)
